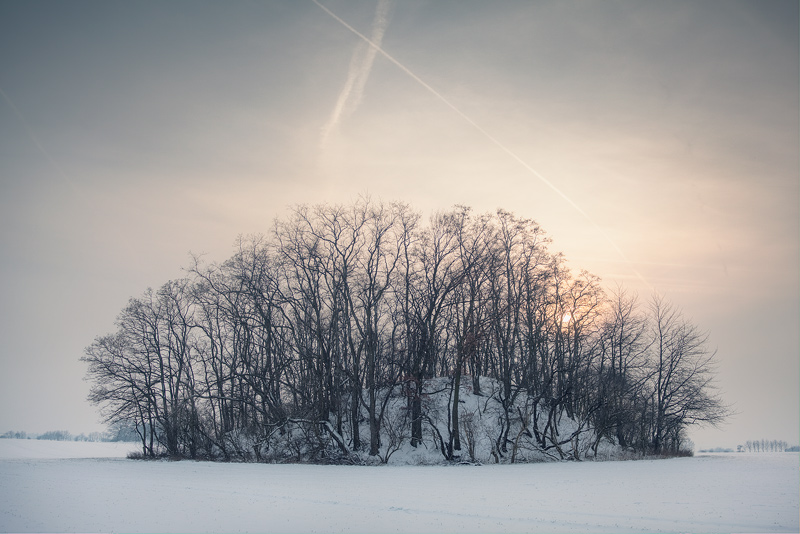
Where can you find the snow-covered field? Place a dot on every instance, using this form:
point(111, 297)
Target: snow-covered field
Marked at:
point(89, 487)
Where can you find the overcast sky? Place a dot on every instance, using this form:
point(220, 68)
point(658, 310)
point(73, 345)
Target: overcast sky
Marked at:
point(656, 143)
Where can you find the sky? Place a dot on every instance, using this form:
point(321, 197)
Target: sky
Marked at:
point(655, 142)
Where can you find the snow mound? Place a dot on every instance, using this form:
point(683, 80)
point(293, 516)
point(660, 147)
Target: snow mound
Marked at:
point(524, 430)
point(493, 427)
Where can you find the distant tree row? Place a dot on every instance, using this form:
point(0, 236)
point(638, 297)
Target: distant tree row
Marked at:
point(55, 435)
point(339, 308)
point(764, 445)
point(14, 435)
point(117, 432)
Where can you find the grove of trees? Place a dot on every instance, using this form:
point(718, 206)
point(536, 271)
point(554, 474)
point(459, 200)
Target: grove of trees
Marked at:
point(309, 331)
point(764, 445)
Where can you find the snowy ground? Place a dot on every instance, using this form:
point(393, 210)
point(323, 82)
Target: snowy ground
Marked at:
point(48, 486)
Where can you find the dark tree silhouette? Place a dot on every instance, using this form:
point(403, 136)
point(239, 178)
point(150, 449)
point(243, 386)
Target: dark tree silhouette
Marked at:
point(298, 344)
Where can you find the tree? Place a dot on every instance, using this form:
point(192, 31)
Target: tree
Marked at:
point(623, 347)
point(681, 378)
point(432, 272)
point(122, 384)
point(375, 277)
point(468, 312)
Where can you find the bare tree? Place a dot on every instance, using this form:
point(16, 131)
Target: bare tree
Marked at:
point(121, 386)
point(371, 316)
point(623, 346)
point(681, 378)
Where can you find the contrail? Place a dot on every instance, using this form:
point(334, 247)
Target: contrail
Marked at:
point(375, 46)
point(36, 142)
point(452, 106)
point(358, 72)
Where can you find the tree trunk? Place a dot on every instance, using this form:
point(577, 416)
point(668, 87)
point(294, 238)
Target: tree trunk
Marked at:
point(374, 425)
point(416, 413)
point(455, 437)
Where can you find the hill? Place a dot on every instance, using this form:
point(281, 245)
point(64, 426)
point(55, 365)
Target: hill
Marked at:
point(493, 429)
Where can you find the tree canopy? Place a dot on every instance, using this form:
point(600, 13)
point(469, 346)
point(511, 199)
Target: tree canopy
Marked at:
point(318, 326)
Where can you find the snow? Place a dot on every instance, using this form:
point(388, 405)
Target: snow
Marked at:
point(45, 486)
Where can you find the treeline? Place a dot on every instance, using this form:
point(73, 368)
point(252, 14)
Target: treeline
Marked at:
point(116, 432)
point(56, 435)
point(15, 435)
point(764, 445)
point(315, 326)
